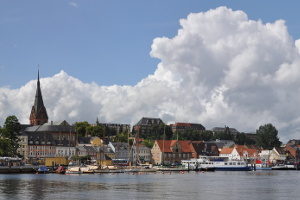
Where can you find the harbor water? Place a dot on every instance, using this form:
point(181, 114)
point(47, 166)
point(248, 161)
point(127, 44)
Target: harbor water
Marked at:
point(262, 185)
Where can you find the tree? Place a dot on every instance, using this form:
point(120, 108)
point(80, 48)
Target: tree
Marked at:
point(6, 147)
point(121, 137)
point(148, 143)
point(267, 137)
point(9, 133)
point(97, 130)
point(81, 128)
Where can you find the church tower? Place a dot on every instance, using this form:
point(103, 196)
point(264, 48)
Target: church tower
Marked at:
point(38, 115)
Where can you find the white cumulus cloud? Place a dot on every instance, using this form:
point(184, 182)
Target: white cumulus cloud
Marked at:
point(221, 68)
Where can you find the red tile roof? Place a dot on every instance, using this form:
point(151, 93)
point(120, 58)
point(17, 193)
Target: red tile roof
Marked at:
point(226, 151)
point(185, 145)
point(241, 149)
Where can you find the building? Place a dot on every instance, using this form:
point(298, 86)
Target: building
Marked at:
point(141, 154)
point(40, 139)
point(181, 127)
point(239, 152)
point(225, 129)
point(38, 115)
point(122, 150)
point(292, 149)
point(23, 146)
point(145, 123)
point(276, 155)
point(201, 148)
point(222, 143)
point(171, 151)
point(116, 128)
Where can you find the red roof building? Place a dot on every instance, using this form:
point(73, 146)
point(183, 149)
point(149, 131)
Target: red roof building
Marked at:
point(171, 151)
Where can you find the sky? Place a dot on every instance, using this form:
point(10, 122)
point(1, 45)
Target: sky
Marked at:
point(218, 63)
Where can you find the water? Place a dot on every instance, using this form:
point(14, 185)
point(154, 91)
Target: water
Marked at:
point(260, 185)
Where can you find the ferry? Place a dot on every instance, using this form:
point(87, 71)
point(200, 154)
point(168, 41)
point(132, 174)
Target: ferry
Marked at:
point(217, 163)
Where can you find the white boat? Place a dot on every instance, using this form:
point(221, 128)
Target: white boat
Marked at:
point(74, 170)
point(284, 167)
point(218, 163)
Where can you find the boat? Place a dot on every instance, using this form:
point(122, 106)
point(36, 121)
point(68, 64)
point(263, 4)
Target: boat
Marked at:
point(73, 170)
point(89, 169)
point(284, 167)
point(42, 170)
point(198, 165)
point(60, 170)
point(216, 163)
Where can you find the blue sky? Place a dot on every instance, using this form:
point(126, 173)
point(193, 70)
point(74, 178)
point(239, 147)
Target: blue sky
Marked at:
point(107, 42)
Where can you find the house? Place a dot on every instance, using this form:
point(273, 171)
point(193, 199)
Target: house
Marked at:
point(222, 143)
point(292, 149)
point(202, 148)
point(90, 151)
point(141, 154)
point(276, 155)
point(239, 152)
point(122, 150)
point(171, 151)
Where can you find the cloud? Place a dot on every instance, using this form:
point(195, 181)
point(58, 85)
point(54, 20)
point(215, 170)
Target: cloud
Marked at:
point(73, 4)
point(221, 68)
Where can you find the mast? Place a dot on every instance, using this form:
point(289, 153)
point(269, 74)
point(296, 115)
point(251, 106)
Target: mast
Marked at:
point(137, 157)
point(163, 151)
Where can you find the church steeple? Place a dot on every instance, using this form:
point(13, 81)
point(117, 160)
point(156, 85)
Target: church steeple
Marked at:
point(38, 113)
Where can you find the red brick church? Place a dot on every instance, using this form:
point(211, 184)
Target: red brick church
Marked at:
point(38, 115)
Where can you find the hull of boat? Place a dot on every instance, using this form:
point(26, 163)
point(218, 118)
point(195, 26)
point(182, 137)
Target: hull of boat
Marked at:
point(233, 168)
point(206, 169)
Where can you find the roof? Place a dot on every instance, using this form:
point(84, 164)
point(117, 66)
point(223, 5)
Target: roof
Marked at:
point(166, 145)
point(241, 149)
point(84, 140)
point(226, 151)
point(50, 128)
point(280, 150)
point(150, 121)
point(38, 107)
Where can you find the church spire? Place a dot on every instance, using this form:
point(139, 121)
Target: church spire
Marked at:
point(38, 114)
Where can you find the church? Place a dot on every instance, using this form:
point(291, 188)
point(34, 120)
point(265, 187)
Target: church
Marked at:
point(41, 139)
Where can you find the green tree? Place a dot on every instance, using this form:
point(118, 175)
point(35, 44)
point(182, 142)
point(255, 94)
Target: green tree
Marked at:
point(121, 137)
point(9, 133)
point(97, 130)
point(267, 137)
point(6, 147)
point(148, 143)
point(81, 128)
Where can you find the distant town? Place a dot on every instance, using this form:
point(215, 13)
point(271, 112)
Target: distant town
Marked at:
point(149, 142)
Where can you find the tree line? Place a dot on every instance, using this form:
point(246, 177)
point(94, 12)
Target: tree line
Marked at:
point(266, 135)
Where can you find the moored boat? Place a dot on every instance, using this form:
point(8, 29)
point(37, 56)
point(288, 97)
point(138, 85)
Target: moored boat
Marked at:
point(216, 163)
point(284, 167)
point(60, 170)
point(73, 170)
point(42, 170)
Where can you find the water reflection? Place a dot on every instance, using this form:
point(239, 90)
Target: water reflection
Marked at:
point(218, 185)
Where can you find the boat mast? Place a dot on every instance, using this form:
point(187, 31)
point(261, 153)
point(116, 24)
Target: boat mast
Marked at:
point(163, 150)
